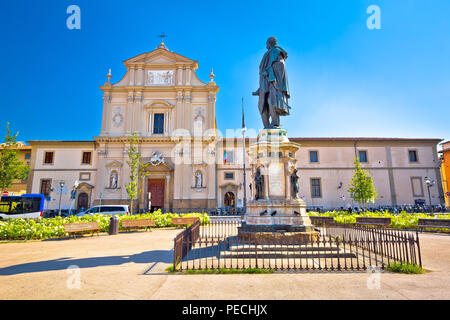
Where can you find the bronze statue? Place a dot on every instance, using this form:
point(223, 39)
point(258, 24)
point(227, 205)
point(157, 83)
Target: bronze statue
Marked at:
point(259, 182)
point(294, 184)
point(273, 89)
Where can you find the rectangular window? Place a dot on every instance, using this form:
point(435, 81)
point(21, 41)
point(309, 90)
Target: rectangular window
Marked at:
point(362, 156)
point(316, 191)
point(45, 187)
point(413, 156)
point(313, 157)
point(48, 158)
point(417, 186)
point(158, 123)
point(85, 176)
point(86, 158)
point(27, 156)
point(229, 175)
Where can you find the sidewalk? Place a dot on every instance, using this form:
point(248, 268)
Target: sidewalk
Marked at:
point(131, 266)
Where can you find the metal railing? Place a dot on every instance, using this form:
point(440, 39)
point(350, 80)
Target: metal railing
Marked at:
point(182, 240)
point(339, 248)
point(209, 211)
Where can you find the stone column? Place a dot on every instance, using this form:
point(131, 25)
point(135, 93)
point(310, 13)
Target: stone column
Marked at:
point(137, 113)
point(188, 76)
point(187, 111)
point(132, 76)
point(167, 191)
point(106, 121)
point(129, 114)
point(179, 75)
point(140, 76)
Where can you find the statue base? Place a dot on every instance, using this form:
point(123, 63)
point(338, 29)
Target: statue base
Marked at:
point(280, 215)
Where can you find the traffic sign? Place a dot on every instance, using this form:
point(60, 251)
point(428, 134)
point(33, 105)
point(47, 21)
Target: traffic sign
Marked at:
point(5, 193)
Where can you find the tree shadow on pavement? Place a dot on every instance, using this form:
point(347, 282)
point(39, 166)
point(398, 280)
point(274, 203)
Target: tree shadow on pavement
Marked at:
point(155, 256)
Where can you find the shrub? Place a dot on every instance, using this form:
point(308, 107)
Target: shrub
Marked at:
point(27, 229)
point(403, 220)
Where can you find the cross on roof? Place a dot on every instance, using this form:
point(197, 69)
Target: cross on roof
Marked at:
point(162, 36)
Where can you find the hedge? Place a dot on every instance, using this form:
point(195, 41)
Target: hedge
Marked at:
point(46, 228)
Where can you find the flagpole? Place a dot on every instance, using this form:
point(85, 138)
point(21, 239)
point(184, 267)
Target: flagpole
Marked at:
point(243, 156)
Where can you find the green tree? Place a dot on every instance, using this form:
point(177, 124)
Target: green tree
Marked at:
point(362, 189)
point(137, 169)
point(11, 168)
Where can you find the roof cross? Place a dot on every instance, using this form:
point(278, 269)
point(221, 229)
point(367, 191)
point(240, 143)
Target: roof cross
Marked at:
point(162, 36)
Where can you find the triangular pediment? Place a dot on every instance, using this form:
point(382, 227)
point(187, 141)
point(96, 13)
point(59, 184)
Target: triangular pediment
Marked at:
point(159, 56)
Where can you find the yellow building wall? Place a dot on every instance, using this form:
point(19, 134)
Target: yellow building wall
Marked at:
point(19, 187)
point(445, 173)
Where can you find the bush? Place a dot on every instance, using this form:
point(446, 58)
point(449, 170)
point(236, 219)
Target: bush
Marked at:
point(26, 229)
point(402, 220)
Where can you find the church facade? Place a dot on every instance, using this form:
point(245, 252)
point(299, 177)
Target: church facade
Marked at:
point(188, 165)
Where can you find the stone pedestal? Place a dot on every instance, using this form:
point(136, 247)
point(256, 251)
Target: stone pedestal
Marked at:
point(279, 214)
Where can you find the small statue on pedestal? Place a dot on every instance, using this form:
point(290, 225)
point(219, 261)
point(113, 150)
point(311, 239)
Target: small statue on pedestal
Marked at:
point(294, 184)
point(259, 182)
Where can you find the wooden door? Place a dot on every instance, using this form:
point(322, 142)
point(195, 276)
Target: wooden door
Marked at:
point(83, 201)
point(157, 189)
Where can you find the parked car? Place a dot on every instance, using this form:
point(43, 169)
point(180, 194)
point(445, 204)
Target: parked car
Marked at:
point(106, 209)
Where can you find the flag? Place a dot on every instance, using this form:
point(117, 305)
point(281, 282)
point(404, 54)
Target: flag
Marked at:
point(243, 117)
point(225, 157)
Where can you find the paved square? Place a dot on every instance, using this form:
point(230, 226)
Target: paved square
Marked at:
point(131, 266)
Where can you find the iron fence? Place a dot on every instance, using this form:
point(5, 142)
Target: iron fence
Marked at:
point(209, 211)
point(339, 248)
point(182, 240)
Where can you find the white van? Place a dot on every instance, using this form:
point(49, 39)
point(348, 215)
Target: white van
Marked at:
point(107, 209)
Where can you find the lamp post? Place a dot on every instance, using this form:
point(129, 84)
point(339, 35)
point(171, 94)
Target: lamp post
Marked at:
point(429, 185)
point(244, 129)
point(61, 186)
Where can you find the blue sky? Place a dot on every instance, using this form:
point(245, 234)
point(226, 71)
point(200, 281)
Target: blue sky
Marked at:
point(345, 79)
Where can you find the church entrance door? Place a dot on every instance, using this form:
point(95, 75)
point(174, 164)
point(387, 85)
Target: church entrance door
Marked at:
point(230, 202)
point(156, 189)
point(83, 201)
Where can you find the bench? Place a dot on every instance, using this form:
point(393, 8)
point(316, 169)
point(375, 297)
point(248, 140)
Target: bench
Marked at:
point(138, 223)
point(73, 228)
point(373, 221)
point(321, 220)
point(434, 223)
point(185, 221)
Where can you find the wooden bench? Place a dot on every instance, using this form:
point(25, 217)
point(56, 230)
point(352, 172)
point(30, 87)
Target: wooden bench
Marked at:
point(74, 228)
point(138, 223)
point(373, 221)
point(321, 220)
point(434, 223)
point(185, 221)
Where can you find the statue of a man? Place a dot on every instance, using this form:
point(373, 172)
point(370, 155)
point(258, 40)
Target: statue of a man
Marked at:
point(259, 182)
point(273, 89)
point(294, 184)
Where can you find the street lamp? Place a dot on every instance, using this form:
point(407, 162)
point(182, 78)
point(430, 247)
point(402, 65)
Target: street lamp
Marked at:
point(429, 183)
point(61, 185)
point(244, 129)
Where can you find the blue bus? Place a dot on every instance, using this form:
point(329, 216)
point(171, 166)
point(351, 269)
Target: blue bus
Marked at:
point(25, 206)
